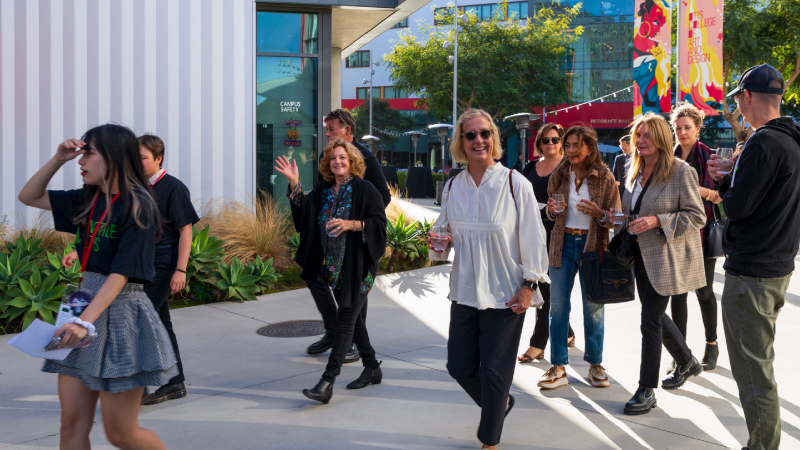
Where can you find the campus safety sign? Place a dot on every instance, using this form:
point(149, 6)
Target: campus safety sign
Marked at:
point(651, 57)
point(700, 53)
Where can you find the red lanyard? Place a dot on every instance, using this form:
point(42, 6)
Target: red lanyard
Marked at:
point(159, 178)
point(87, 246)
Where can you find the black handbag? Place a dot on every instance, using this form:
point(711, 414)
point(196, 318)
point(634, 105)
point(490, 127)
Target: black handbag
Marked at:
point(715, 235)
point(623, 243)
point(606, 278)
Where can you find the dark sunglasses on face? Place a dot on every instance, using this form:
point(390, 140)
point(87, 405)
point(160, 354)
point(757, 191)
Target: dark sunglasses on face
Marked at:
point(485, 134)
point(547, 141)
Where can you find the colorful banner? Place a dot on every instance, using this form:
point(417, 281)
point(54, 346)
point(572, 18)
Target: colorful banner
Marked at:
point(700, 54)
point(651, 57)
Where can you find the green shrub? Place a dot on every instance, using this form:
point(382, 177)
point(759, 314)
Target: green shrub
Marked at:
point(30, 247)
point(265, 273)
point(71, 275)
point(236, 280)
point(293, 243)
point(402, 239)
point(35, 297)
point(205, 257)
point(401, 180)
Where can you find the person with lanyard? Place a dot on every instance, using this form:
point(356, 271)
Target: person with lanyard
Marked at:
point(339, 124)
point(342, 226)
point(761, 197)
point(115, 219)
point(686, 121)
point(548, 145)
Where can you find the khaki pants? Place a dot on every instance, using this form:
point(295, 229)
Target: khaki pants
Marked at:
point(750, 308)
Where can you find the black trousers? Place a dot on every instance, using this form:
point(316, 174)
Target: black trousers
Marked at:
point(326, 304)
point(158, 290)
point(481, 357)
point(708, 305)
point(351, 327)
point(541, 331)
point(657, 328)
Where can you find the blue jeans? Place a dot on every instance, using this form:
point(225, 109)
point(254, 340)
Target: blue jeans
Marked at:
point(561, 281)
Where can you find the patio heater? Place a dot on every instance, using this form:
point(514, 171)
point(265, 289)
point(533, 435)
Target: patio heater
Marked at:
point(442, 129)
point(415, 137)
point(523, 121)
point(371, 139)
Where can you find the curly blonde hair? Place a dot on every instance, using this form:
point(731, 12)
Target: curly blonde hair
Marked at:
point(456, 146)
point(687, 109)
point(357, 165)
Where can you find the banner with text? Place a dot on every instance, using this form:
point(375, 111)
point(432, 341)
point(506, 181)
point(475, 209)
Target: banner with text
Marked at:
point(700, 63)
point(651, 57)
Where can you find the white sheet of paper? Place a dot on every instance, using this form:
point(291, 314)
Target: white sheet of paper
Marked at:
point(542, 205)
point(35, 338)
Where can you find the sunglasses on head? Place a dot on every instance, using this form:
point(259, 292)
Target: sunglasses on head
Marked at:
point(485, 134)
point(547, 141)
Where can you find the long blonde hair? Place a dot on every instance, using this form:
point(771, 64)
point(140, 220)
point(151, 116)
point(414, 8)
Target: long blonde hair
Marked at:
point(456, 147)
point(661, 136)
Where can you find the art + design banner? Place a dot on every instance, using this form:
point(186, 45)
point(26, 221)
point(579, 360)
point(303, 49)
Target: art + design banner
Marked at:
point(700, 54)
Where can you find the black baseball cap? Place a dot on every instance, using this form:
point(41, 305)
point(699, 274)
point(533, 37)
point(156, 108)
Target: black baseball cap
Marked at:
point(757, 79)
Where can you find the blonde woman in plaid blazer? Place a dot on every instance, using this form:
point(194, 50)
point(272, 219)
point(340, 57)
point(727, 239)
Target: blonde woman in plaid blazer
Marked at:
point(668, 258)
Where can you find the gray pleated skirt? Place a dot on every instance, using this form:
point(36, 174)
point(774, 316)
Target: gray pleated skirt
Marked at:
point(132, 348)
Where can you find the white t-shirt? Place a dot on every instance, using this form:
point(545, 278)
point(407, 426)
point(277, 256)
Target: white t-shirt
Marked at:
point(575, 218)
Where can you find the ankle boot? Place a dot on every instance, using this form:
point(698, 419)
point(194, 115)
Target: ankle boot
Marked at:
point(322, 392)
point(710, 357)
point(641, 403)
point(368, 376)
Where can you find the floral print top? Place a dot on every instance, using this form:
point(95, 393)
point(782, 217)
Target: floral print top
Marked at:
point(335, 205)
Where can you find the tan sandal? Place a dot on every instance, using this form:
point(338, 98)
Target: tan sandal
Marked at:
point(526, 358)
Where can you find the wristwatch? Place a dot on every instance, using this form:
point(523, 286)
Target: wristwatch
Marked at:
point(530, 284)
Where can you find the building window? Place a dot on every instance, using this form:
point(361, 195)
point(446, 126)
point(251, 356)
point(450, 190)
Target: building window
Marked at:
point(361, 93)
point(484, 13)
point(358, 59)
point(394, 92)
point(402, 24)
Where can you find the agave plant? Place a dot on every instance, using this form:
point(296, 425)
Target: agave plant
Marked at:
point(12, 268)
point(293, 243)
point(29, 247)
point(236, 280)
point(402, 239)
point(33, 298)
point(265, 273)
point(205, 257)
point(66, 275)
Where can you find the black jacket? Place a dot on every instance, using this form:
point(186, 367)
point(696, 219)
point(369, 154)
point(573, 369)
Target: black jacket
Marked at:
point(763, 205)
point(373, 174)
point(619, 172)
point(364, 248)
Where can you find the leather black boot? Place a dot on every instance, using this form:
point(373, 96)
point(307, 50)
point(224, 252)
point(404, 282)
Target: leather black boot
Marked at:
point(322, 392)
point(710, 357)
point(682, 372)
point(641, 403)
point(368, 376)
point(321, 346)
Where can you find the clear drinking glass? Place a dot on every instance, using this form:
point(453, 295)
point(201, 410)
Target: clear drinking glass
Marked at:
point(560, 204)
point(726, 161)
point(617, 215)
point(631, 218)
point(440, 237)
point(332, 231)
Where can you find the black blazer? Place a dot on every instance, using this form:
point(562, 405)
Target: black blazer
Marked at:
point(619, 172)
point(364, 248)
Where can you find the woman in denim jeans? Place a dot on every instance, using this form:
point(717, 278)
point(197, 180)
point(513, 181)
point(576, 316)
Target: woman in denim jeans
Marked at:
point(582, 216)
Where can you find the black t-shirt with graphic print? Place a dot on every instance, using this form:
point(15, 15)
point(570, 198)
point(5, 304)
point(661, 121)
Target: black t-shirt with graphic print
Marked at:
point(121, 248)
point(175, 207)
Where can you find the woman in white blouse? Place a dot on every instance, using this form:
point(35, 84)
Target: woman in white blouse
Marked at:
point(589, 190)
point(500, 255)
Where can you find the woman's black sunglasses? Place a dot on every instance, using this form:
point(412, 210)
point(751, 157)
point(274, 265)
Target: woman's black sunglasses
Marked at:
point(547, 141)
point(485, 134)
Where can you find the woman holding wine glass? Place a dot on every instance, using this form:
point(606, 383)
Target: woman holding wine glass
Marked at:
point(687, 121)
point(500, 256)
point(662, 194)
point(548, 145)
point(342, 228)
point(582, 186)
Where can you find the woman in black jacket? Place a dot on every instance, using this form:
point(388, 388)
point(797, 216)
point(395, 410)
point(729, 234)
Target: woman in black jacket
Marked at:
point(342, 227)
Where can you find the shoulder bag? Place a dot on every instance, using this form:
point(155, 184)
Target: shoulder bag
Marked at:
point(606, 278)
point(715, 234)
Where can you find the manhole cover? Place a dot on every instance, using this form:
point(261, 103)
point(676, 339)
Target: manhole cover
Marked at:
point(293, 328)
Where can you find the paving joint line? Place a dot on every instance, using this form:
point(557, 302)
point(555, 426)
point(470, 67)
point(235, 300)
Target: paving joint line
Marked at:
point(235, 313)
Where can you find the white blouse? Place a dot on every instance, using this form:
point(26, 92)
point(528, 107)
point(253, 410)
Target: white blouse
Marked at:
point(498, 242)
point(575, 218)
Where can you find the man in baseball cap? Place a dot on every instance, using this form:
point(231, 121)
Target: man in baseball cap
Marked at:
point(761, 197)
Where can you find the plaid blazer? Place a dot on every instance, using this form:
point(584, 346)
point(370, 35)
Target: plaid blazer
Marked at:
point(673, 253)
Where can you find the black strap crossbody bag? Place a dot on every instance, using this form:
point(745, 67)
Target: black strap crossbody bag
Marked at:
point(622, 243)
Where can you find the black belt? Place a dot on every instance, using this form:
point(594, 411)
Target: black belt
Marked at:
point(164, 246)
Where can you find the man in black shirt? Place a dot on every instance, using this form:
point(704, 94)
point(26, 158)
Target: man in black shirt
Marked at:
point(339, 124)
point(761, 198)
point(621, 161)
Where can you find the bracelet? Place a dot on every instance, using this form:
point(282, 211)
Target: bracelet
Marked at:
point(180, 270)
point(88, 325)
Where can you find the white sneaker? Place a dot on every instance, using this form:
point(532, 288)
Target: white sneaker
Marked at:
point(597, 376)
point(555, 377)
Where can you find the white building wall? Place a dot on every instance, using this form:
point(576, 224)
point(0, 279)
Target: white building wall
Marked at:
point(182, 69)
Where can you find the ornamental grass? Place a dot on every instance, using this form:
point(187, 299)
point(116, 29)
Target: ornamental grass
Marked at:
point(39, 226)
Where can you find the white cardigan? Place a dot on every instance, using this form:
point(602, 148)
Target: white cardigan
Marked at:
point(498, 241)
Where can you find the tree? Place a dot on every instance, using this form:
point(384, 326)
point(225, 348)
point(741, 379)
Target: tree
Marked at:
point(757, 32)
point(387, 122)
point(504, 67)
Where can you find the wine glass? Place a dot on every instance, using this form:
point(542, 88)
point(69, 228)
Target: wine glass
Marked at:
point(560, 205)
point(726, 161)
point(440, 237)
point(617, 215)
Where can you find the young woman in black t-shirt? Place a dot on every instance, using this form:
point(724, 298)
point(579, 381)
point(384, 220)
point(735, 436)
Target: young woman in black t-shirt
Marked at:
point(115, 220)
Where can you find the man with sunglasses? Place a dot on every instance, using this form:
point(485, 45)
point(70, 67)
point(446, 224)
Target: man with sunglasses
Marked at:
point(761, 198)
point(621, 162)
point(339, 124)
